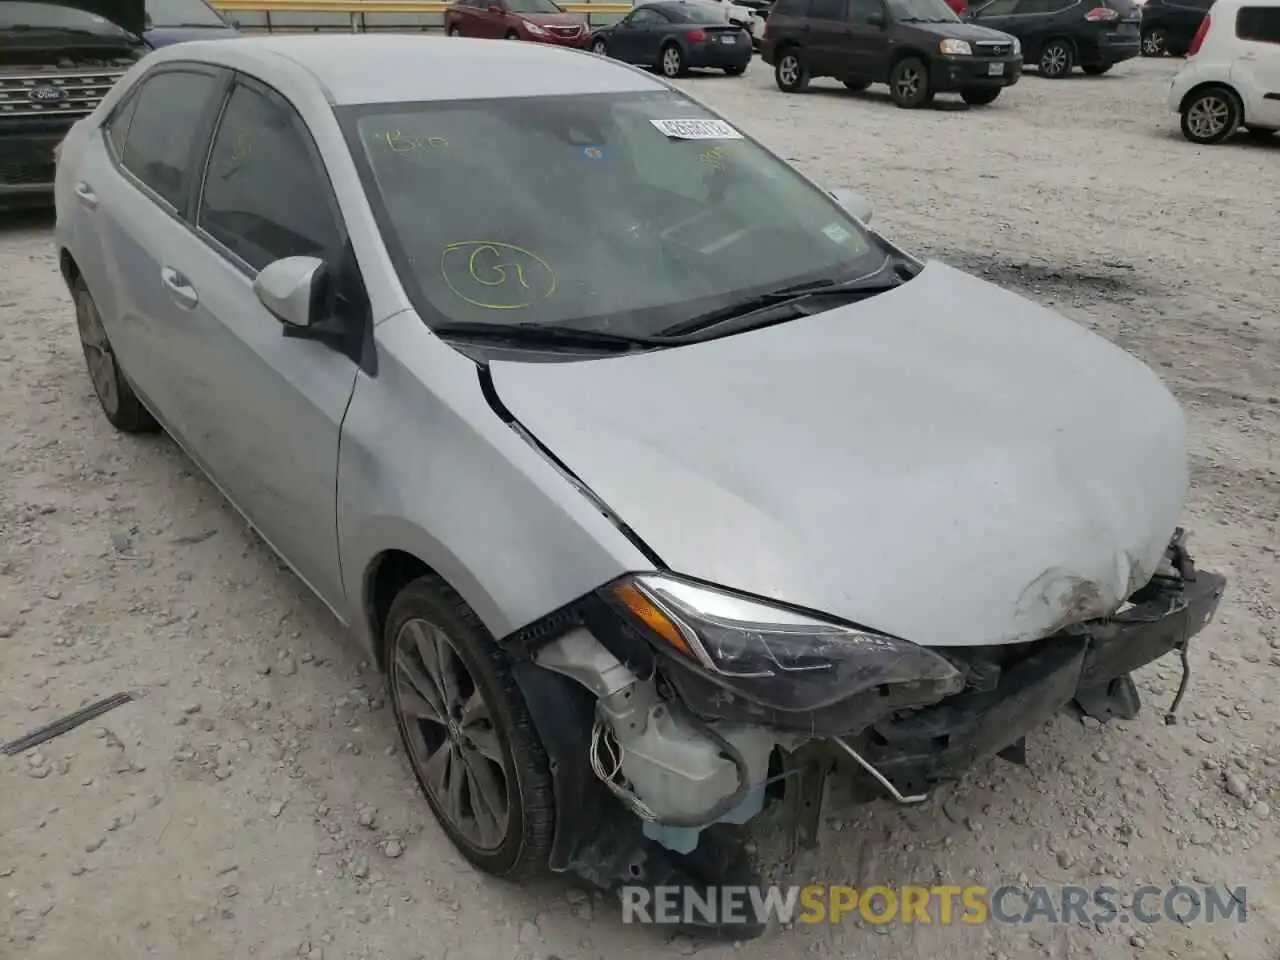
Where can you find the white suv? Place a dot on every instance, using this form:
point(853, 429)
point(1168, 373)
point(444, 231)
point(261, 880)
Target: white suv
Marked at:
point(1231, 77)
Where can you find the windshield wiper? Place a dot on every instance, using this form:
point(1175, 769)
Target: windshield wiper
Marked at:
point(551, 335)
point(866, 286)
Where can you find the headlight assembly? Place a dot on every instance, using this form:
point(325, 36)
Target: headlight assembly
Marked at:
point(956, 48)
point(772, 655)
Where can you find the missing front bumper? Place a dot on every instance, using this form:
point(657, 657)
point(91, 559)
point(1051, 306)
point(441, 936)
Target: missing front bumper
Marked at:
point(1089, 667)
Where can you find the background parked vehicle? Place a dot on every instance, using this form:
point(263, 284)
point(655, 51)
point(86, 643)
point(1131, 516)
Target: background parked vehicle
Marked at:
point(674, 35)
point(740, 15)
point(1169, 25)
point(918, 47)
point(1058, 35)
point(58, 59)
point(1232, 75)
point(173, 21)
point(539, 21)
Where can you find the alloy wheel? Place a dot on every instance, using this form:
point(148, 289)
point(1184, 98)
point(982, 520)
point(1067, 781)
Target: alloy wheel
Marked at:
point(789, 69)
point(1153, 43)
point(1208, 116)
point(97, 353)
point(907, 83)
point(600, 48)
point(453, 743)
point(671, 62)
point(1054, 60)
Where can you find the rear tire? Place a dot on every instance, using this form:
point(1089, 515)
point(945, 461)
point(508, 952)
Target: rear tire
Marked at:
point(981, 97)
point(1097, 69)
point(455, 31)
point(909, 83)
point(857, 86)
point(1154, 42)
point(790, 73)
point(1211, 116)
point(1057, 58)
point(119, 403)
point(672, 62)
point(484, 772)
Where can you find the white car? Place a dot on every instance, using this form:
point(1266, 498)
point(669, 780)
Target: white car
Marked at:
point(1231, 77)
point(744, 17)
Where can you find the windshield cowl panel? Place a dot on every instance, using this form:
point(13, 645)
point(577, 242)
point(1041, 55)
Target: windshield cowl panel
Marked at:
point(619, 214)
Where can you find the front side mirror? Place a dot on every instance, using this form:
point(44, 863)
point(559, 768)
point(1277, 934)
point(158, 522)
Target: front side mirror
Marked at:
point(858, 204)
point(293, 289)
point(875, 19)
point(235, 23)
point(496, 9)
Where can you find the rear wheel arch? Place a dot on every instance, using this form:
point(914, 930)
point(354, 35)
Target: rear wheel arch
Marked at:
point(68, 267)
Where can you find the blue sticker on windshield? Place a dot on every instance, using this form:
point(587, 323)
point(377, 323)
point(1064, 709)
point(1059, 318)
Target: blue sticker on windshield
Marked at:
point(593, 153)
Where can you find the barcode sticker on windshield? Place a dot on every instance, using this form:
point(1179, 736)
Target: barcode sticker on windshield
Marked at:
point(697, 129)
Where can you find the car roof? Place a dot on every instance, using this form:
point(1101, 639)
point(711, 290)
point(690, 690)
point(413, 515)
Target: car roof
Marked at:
point(402, 68)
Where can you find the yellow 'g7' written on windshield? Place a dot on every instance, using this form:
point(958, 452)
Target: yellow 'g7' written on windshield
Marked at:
point(397, 142)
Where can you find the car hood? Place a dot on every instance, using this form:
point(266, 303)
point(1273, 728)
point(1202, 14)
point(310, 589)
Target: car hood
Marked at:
point(960, 31)
point(946, 462)
point(129, 14)
point(555, 19)
point(164, 36)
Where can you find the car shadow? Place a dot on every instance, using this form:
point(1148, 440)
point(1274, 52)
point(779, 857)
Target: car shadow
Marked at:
point(32, 218)
point(1239, 141)
point(882, 98)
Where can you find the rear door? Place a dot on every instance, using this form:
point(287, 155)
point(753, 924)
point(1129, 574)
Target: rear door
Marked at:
point(864, 50)
point(828, 37)
point(136, 185)
point(996, 15)
point(1035, 21)
point(267, 409)
point(1255, 72)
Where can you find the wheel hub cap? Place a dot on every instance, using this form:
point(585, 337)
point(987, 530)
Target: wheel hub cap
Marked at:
point(1208, 116)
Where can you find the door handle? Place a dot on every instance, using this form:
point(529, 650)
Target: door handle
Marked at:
point(86, 196)
point(179, 289)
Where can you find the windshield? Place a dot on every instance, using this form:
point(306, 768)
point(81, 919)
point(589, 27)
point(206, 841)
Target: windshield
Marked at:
point(182, 13)
point(533, 6)
point(620, 212)
point(933, 11)
point(48, 16)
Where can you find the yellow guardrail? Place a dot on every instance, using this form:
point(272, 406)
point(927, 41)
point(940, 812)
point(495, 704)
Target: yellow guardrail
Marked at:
point(356, 7)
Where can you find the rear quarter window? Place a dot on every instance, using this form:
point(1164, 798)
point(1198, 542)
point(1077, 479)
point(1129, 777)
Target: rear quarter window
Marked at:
point(1259, 24)
point(790, 8)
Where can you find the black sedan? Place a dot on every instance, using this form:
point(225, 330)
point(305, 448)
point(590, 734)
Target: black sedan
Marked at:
point(676, 35)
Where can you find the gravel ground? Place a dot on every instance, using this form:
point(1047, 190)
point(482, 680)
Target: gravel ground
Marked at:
point(250, 802)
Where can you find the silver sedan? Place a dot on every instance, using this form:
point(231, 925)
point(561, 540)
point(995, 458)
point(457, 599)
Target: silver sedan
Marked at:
point(644, 467)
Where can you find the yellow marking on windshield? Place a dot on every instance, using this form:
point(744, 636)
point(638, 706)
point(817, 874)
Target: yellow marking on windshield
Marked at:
point(717, 158)
point(243, 148)
point(496, 269)
point(397, 142)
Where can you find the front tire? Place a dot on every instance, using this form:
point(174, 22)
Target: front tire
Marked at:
point(599, 47)
point(981, 97)
point(1211, 116)
point(1154, 42)
point(511, 35)
point(736, 71)
point(119, 403)
point(909, 83)
point(455, 31)
point(1056, 59)
point(790, 73)
point(467, 732)
point(672, 62)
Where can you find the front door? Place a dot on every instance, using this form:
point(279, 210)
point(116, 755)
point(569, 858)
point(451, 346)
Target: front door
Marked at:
point(1256, 69)
point(827, 35)
point(266, 410)
point(997, 15)
point(865, 45)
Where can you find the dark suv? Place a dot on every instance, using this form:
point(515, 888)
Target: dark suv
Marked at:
point(1169, 25)
point(918, 47)
point(1058, 35)
point(58, 58)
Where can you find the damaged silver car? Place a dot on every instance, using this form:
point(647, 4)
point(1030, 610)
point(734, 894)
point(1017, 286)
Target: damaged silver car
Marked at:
point(660, 485)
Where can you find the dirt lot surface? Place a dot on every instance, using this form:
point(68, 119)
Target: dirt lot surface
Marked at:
point(252, 801)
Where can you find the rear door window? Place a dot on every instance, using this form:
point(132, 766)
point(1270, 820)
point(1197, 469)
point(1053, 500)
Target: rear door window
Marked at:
point(998, 8)
point(161, 146)
point(1259, 24)
point(827, 10)
point(790, 8)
